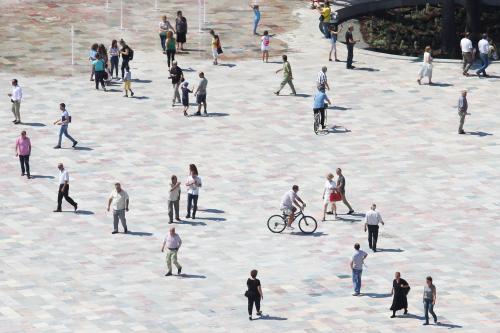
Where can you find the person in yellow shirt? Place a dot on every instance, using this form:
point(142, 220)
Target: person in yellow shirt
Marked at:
point(326, 12)
point(215, 46)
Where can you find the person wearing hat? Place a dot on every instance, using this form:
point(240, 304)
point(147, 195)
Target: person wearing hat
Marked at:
point(185, 96)
point(176, 76)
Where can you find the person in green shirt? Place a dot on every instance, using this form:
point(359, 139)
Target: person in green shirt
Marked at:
point(99, 65)
point(287, 76)
point(170, 42)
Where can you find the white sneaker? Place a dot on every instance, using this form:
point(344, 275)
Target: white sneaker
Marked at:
point(290, 228)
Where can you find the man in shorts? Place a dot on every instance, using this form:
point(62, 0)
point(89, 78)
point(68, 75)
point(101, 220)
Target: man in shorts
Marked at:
point(201, 94)
point(289, 204)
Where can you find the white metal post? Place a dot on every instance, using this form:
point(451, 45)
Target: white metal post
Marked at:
point(72, 45)
point(121, 14)
point(199, 15)
point(204, 12)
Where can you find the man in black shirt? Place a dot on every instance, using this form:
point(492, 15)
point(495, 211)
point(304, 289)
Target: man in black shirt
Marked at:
point(349, 41)
point(125, 53)
point(176, 76)
point(341, 189)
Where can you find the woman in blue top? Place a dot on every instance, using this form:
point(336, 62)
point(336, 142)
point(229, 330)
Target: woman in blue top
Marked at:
point(319, 105)
point(256, 18)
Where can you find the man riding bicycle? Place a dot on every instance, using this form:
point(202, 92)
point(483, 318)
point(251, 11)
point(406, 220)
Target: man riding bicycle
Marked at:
point(289, 204)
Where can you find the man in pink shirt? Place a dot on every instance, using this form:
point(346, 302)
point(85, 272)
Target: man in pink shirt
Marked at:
point(23, 150)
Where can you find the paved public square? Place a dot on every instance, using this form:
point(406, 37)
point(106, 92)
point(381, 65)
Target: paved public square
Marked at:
point(396, 142)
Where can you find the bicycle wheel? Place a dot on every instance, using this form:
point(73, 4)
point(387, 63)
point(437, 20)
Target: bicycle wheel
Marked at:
point(308, 224)
point(316, 122)
point(276, 223)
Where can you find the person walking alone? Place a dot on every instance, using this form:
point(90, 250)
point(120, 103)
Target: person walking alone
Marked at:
point(372, 220)
point(287, 76)
point(23, 150)
point(173, 243)
point(429, 300)
point(254, 293)
point(15, 97)
point(120, 200)
point(426, 69)
point(400, 289)
point(467, 53)
point(64, 122)
point(256, 17)
point(174, 197)
point(356, 265)
point(463, 105)
point(64, 189)
point(484, 50)
point(193, 184)
point(350, 42)
point(341, 189)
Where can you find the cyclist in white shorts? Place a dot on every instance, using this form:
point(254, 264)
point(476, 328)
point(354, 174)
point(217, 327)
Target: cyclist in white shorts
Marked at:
point(289, 204)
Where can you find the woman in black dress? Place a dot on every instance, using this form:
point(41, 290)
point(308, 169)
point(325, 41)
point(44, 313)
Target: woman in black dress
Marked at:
point(181, 28)
point(400, 289)
point(254, 293)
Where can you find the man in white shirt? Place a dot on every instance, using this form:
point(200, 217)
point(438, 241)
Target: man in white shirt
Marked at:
point(372, 219)
point(322, 80)
point(289, 203)
point(484, 49)
point(356, 265)
point(64, 189)
point(467, 53)
point(173, 243)
point(120, 201)
point(15, 97)
point(64, 122)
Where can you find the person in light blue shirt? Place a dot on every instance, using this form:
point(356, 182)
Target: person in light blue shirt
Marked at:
point(256, 18)
point(319, 105)
point(99, 65)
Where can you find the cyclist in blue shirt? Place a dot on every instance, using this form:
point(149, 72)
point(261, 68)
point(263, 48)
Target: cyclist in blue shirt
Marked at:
point(319, 105)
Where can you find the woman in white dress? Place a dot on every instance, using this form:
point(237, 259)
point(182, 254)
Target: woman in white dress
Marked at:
point(330, 187)
point(426, 69)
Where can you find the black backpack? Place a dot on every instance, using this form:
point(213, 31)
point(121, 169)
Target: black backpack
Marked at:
point(130, 53)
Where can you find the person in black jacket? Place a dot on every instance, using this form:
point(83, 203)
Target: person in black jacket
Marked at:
point(400, 288)
point(254, 294)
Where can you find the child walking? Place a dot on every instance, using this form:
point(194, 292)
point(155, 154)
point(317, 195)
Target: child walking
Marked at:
point(127, 83)
point(264, 46)
point(185, 96)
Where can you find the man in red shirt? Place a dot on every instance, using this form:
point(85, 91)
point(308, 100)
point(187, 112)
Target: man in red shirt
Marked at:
point(23, 150)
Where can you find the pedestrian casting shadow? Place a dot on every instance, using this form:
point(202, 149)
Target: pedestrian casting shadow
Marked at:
point(449, 326)
point(227, 65)
point(84, 212)
point(340, 108)
point(268, 317)
point(337, 130)
point(358, 214)
point(275, 62)
point(41, 177)
point(343, 219)
point(34, 124)
point(314, 234)
point(140, 97)
point(83, 148)
point(298, 95)
point(188, 69)
point(412, 316)
point(375, 295)
point(114, 90)
point(390, 250)
point(211, 210)
point(192, 276)
point(193, 50)
point(480, 134)
point(439, 84)
point(139, 233)
point(366, 69)
point(217, 114)
point(215, 219)
point(193, 223)
point(141, 81)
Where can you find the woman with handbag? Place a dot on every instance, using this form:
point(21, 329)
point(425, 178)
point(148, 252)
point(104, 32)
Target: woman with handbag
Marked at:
point(400, 288)
point(216, 46)
point(254, 293)
point(330, 195)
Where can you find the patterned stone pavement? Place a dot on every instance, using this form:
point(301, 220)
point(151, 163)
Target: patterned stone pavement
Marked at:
point(396, 142)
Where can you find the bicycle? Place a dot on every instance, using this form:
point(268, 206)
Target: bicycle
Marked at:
point(278, 223)
point(317, 120)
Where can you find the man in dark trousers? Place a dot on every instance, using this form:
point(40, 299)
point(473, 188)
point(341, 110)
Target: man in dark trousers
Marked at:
point(176, 76)
point(64, 189)
point(341, 189)
point(372, 220)
point(349, 42)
